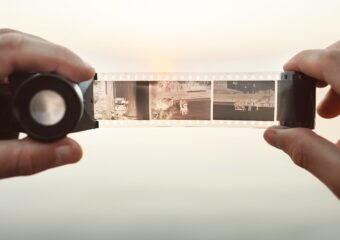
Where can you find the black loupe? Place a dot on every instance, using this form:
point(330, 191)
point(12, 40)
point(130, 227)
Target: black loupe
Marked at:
point(47, 106)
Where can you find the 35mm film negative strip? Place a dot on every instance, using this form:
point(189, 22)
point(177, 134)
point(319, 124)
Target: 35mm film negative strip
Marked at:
point(202, 99)
point(48, 106)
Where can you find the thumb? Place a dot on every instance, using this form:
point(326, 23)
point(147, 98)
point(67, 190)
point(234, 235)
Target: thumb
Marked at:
point(27, 157)
point(310, 151)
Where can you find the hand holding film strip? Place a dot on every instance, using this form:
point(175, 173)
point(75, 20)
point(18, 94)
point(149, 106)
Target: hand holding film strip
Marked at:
point(21, 51)
point(307, 149)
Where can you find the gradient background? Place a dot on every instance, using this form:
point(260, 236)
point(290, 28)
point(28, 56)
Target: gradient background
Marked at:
point(175, 183)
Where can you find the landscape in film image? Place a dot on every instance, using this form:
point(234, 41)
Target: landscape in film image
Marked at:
point(244, 100)
point(121, 100)
point(180, 100)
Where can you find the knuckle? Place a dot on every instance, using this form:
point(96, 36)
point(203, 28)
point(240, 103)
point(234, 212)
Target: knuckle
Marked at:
point(25, 164)
point(29, 163)
point(62, 50)
point(296, 151)
point(303, 53)
point(6, 30)
point(300, 56)
point(11, 41)
point(331, 56)
point(298, 146)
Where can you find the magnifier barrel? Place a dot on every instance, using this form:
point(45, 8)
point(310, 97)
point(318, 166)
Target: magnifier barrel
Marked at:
point(46, 106)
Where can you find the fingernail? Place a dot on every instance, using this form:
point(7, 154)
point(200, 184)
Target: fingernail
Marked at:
point(64, 154)
point(91, 70)
point(271, 136)
point(286, 65)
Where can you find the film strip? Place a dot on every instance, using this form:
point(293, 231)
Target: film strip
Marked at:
point(47, 106)
point(204, 99)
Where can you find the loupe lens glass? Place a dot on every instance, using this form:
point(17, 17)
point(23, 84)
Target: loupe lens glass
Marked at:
point(47, 107)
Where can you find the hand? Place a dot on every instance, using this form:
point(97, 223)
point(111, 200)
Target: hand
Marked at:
point(21, 51)
point(307, 149)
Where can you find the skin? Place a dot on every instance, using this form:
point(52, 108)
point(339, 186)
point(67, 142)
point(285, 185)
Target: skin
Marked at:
point(307, 149)
point(21, 51)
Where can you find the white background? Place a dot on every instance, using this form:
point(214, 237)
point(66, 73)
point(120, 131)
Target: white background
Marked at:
point(175, 183)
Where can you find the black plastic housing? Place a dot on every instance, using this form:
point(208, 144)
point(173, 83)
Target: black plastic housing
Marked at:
point(14, 106)
point(296, 97)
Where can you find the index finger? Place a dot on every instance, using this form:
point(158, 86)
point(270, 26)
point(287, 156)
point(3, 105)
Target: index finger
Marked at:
point(308, 63)
point(322, 65)
point(21, 52)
